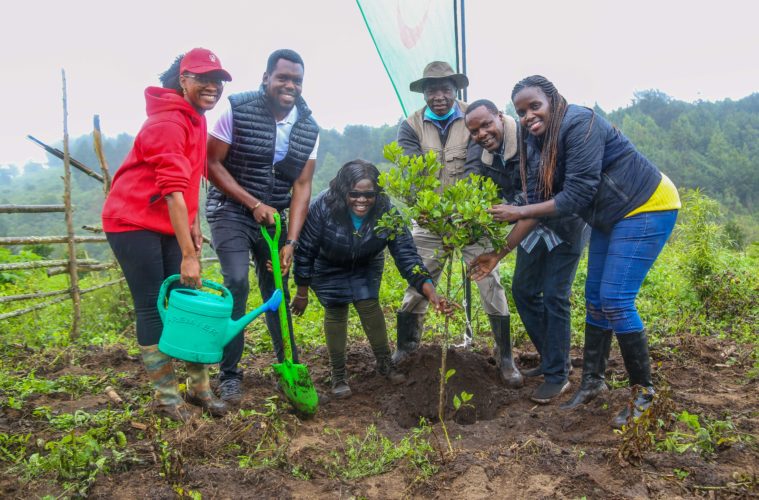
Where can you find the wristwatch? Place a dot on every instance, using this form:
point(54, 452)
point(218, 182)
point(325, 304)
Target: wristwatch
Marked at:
point(294, 243)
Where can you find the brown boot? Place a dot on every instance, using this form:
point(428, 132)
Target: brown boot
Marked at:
point(181, 412)
point(167, 402)
point(199, 391)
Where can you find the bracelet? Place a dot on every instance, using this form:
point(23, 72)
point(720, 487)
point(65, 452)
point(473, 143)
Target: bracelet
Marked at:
point(301, 296)
point(508, 248)
point(256, 206)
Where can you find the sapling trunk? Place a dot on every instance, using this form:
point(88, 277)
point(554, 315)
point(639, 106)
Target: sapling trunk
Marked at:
point(443, 358)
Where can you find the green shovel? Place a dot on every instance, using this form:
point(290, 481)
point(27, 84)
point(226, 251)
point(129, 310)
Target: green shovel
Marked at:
point(294, 378)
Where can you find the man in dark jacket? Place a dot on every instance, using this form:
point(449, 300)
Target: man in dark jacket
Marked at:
point(261, 159)
point(547, 258)
point(439, 126)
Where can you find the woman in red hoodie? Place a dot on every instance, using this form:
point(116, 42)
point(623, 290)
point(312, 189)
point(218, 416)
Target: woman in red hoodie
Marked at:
point(151, 214)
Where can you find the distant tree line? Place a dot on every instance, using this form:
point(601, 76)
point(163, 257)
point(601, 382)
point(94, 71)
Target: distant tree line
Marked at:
point(710, 145)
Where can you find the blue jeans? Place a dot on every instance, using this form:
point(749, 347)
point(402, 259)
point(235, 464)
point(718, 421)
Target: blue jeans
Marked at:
point(235, 243)
point(541, 287)
point(617, 265)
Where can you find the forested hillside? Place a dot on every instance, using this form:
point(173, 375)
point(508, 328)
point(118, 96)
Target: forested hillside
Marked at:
point(708, 145)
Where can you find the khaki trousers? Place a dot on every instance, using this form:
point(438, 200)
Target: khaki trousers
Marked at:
point(430, 247)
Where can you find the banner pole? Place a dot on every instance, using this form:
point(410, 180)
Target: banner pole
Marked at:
point(463, 43)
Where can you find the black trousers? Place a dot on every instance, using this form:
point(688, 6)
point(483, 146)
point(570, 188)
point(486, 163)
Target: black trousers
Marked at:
point(236, 242)
point(146, 258)
point(541, 288)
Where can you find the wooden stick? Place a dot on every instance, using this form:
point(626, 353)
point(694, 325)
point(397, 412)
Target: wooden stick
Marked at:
point(113, 395)
point(97, 143)
point(36, 295)
point(60, 154)
point(44, 240)
point(73, 271)
point(16, 266)
point(31, 209)
point(19, 312)
point(84, 268)
point(36, 307)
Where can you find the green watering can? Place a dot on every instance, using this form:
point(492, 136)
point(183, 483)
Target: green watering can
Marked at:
point(295, 381)
point(197, 325)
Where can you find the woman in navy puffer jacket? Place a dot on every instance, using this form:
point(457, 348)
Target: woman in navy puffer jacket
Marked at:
point(341, 257)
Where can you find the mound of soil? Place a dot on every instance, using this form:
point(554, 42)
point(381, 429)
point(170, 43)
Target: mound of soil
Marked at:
point(418, 397)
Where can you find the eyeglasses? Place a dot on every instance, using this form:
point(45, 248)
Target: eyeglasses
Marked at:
point(369, 195)
point(205, 79)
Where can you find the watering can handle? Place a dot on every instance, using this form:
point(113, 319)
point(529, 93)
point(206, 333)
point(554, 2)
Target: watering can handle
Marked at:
point(162, 295)
point(162, 306)
point(277, 272)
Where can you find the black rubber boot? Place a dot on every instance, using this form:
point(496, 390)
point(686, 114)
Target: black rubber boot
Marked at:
point(634, 348)
point(506, 368)
point(409, 335)
point(594, 358)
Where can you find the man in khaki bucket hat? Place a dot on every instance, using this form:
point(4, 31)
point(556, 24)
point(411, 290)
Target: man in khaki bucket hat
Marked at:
point(439, 126)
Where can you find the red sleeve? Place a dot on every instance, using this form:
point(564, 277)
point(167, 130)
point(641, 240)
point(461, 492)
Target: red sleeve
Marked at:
point(163, 145)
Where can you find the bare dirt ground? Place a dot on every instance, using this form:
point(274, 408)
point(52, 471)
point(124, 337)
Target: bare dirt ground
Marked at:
point(505, 446)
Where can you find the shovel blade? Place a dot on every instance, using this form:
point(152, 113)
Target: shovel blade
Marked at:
point(297, 385)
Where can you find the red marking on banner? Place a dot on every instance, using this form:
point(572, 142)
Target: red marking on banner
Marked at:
point(410, 35)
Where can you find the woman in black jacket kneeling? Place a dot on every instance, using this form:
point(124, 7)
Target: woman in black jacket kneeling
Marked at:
point(341, 257)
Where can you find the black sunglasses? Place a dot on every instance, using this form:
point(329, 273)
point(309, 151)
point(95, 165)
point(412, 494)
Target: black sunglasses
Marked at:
point(205, 79)
point(369, 195)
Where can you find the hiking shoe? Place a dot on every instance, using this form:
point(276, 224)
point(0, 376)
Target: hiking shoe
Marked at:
point(341, 390)
point(538, 371)
point(230, 391)
point(548, 391)
point(387, 369)
point(532, 372)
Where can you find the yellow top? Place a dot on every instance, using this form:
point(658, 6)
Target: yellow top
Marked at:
point(664, 198)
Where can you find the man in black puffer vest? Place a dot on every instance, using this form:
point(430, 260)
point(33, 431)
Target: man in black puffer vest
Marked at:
point(261, 160)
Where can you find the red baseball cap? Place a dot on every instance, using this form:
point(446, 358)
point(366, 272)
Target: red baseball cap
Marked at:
point(201, 61)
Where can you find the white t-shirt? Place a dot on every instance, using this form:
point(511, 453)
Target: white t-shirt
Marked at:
point(223, 127)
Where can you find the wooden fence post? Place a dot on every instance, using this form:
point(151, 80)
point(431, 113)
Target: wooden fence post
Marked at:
point(73, 272)
point(97, 143)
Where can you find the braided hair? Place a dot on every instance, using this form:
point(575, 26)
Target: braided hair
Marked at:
point(170, 77)
point(550, 150)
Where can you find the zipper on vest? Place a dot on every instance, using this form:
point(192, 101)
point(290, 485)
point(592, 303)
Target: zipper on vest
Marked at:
point(271, 183)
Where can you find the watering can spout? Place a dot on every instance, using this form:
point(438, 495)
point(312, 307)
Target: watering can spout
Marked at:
point(236, 326)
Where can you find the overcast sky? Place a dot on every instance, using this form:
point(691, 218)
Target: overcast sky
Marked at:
point(594, 51)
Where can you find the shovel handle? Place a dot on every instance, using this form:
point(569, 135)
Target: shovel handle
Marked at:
point(277, 271)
